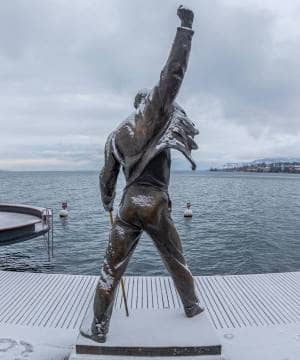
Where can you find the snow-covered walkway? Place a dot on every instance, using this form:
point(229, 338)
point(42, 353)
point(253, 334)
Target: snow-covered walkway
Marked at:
point(256, 316)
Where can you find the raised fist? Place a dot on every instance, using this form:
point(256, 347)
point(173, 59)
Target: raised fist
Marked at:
point(186, 16)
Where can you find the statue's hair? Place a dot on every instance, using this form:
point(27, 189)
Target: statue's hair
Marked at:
point(141, 94)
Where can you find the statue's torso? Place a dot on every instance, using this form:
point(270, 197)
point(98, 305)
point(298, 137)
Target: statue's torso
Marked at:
point(157, 172)
point(132, 143)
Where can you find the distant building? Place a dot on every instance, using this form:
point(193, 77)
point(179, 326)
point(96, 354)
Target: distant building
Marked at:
point(266, 166)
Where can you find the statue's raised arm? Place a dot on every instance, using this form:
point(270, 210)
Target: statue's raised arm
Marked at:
point(129, 144)
point(155, 104)
point(174, 70)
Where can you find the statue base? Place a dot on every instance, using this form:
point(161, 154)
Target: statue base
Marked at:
point(150, 332)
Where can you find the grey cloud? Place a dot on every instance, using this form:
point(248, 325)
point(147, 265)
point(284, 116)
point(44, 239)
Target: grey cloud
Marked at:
point(69, 71)
point(240, 63)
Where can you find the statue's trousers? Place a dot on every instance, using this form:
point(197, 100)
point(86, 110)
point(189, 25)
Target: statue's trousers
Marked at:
point(142, 208)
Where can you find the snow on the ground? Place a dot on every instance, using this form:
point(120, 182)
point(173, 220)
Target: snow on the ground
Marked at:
point(261, 343)
point(245, 343)
point(28, 343)
point(146, 328)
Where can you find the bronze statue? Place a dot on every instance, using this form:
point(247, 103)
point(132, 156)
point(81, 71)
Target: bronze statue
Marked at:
point(141, 146)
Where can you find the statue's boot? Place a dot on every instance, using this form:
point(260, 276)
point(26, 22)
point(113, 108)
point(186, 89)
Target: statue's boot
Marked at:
point(193, 310)
point(96, 332)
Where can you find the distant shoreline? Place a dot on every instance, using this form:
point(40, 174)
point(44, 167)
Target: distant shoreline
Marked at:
point(263, 167)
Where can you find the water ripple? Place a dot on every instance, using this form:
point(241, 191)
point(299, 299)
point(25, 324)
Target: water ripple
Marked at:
point(242, 223)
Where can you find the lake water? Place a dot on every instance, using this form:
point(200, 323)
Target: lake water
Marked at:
point(242, 223)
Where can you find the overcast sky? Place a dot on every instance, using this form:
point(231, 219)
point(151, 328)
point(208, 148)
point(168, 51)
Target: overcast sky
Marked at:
point(69, 71)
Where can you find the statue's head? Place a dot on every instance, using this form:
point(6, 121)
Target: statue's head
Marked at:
point(140, 97)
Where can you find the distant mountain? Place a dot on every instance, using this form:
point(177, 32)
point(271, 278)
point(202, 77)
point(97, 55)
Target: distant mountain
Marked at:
point(272, 165)
point(266, 161)
point(275, 160)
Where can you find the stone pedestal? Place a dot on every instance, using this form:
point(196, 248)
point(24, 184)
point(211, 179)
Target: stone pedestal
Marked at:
point(150, 332)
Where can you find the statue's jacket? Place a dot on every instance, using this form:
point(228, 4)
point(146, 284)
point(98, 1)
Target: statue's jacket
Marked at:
point(158, 124)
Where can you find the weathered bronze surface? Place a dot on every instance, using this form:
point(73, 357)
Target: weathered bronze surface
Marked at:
point(141, 146)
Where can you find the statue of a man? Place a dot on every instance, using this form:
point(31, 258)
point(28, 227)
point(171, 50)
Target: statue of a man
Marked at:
point(141, 146)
